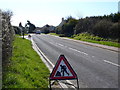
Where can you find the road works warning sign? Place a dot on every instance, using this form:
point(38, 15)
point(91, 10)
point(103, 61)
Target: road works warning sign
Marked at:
point(62, 70)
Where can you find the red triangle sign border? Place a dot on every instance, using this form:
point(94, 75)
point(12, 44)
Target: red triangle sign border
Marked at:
point(52, 75)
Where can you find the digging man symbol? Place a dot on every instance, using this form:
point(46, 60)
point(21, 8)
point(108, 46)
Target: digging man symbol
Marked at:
point(62, 71)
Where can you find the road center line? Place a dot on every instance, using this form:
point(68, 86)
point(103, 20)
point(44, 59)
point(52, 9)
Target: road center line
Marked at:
point(93, 56)
point(60, 44)
point(70, 48)
point(111, 63)
point(52, 43)
point(78, 51)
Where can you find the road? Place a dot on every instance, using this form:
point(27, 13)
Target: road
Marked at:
point(95, 67)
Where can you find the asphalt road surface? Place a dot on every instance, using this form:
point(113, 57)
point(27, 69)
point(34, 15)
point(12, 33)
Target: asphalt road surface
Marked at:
point(95, 67)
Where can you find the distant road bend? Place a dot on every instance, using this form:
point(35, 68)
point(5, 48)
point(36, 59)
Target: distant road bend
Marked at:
point(95, 67)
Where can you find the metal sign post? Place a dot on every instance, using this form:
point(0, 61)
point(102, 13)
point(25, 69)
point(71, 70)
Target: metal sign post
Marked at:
point(77, 84)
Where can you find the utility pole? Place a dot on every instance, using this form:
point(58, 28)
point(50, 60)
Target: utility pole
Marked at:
point(22, 29)
point(23, 32)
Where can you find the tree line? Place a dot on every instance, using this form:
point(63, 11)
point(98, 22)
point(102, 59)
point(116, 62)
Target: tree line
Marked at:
point(106, 26)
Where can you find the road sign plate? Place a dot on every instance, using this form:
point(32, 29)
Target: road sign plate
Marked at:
point(62, 70)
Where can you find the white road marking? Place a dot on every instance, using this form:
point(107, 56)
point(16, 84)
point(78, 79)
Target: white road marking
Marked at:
point(78, 51)
point(50, 42)
point(68, 47)
point(93, 56)
point(73, 49)
point(65, 46)
point(60, 44)
point(111, 63)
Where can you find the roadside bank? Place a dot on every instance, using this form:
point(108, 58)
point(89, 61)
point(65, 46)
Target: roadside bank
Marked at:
point(25, 68)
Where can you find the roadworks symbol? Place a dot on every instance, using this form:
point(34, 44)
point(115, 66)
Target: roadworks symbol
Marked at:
point(62, 70)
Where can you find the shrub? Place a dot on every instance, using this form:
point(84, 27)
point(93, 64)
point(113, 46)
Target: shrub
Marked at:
point(68, 28)
point(46, 31)
point(102, 28)
point(85, 25)
point(114, 31)
point(61, 35)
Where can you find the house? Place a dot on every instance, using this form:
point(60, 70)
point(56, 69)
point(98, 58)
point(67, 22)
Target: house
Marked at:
point(47, 29)
point(52, 29)
point(62, 22)
point(59, 27)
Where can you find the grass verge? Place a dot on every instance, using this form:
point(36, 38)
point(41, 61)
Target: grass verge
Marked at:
point(26, 69)
point(93, 39)
point(54, 34)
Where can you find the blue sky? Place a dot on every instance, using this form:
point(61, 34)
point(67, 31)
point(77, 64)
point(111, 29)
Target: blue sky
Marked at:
point(42, 12)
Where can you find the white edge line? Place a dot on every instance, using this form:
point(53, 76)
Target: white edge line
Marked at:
point(42, 53)
point(111, 63)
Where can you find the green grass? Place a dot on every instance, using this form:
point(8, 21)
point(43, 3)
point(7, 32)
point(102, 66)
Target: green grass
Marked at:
point(54, 34)
point(26, 69)
point(93, 39)
point(22, 35)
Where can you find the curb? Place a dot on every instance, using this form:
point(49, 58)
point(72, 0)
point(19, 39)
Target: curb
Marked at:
point(92, 44)
point(97, 45)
